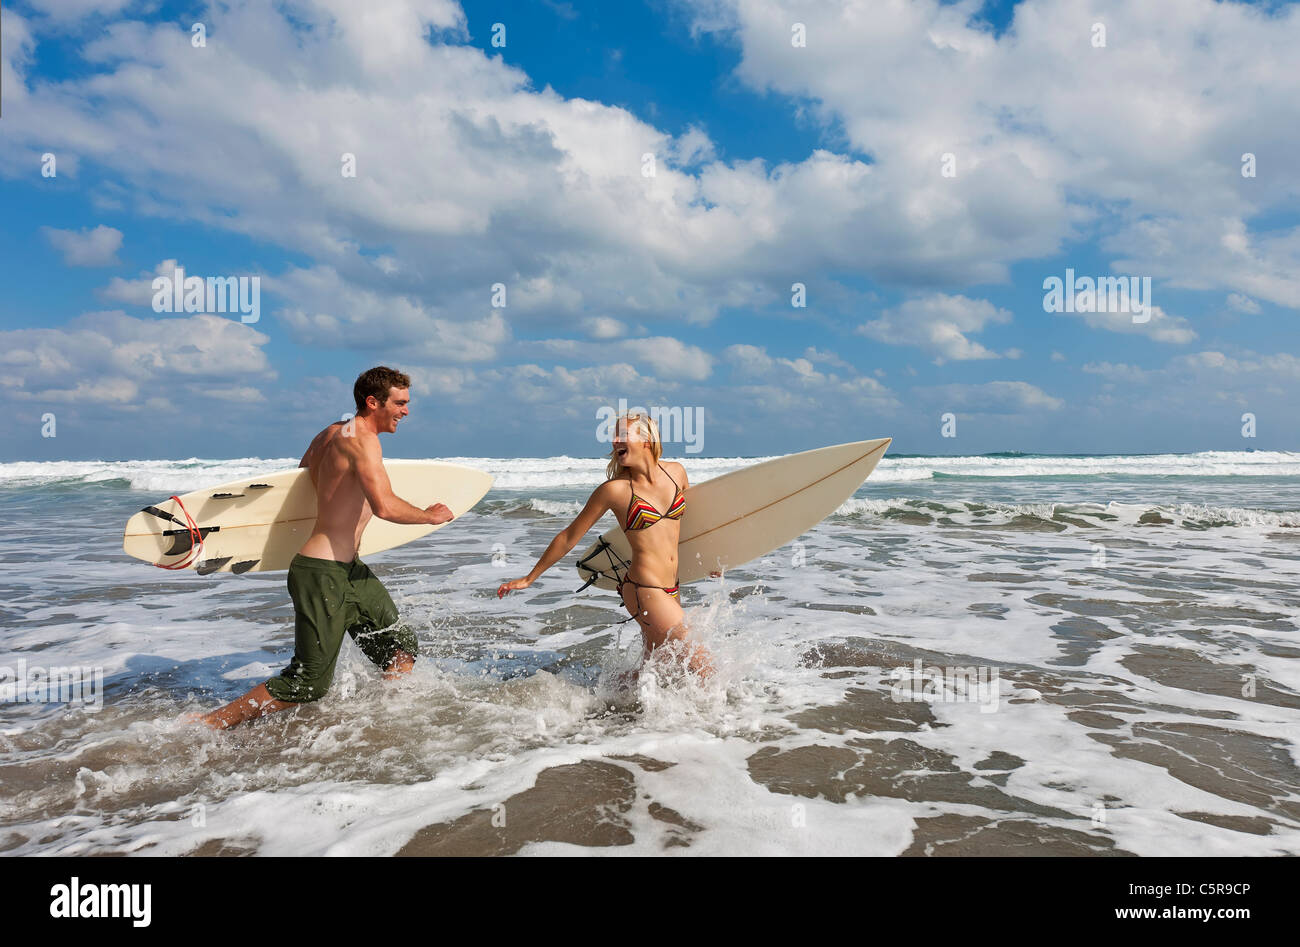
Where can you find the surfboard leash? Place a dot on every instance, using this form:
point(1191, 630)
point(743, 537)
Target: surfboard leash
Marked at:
point(601, 546)
point(615, 560)
point(196, 537)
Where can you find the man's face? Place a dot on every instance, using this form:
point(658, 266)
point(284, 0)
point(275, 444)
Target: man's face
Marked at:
point(393, 410)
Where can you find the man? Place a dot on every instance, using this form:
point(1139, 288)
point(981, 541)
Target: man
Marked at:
point(332, 590)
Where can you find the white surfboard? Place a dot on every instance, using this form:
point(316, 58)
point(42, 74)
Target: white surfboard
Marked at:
point(258, 524)
point(747, 513)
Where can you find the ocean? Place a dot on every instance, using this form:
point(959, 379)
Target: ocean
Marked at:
point(992, 655)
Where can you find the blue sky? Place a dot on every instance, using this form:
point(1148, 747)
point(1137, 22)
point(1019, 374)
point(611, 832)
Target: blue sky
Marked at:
point(774, 164)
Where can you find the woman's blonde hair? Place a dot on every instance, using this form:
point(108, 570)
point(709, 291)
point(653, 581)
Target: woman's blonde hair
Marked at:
point(644, 425)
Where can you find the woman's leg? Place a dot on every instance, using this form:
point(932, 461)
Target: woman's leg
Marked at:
point(662, 620)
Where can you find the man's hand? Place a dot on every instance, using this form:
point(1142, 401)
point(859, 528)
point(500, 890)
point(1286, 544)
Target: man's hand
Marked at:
point(513, 585)
point(439, 513)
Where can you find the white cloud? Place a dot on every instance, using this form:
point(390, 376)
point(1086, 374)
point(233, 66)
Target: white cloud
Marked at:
point(549, 392)
point(1206, 251)
point(236, 394)
point(692, 147)
point(749, 359)
point(666, 357)
point(603, 327)
point(1049, 134)
point(549, 196)
point(86, 247)
point(67, 12)
point(938, 323)
point(139, 291)
point(813, 354)
point(1277, 364)
point(549, 199)
point(670, 357)
point(794, 387)
point(569, 387)
point(1116, 371)
point(1160, 326)
point(332, 312)
point(112, 357)
point(1243, 303)
point(1192, 384)
point(992, 397)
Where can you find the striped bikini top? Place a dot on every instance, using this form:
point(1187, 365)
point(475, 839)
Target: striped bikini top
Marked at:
point(641, 514)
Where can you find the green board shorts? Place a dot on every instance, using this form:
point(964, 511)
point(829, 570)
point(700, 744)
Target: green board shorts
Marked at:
point(330, 598)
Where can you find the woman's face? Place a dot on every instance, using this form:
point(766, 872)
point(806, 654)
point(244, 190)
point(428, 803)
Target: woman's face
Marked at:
point(627, 444)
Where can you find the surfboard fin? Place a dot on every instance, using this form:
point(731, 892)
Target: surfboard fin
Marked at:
point(183, 539)
point(163, 514)
point(209, 566)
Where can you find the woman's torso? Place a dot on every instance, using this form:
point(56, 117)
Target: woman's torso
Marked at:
point(650, 518)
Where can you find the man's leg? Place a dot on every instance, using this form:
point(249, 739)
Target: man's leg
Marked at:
point(256, 703)
point(402, 663)
point(382, 637)
point(317, 587)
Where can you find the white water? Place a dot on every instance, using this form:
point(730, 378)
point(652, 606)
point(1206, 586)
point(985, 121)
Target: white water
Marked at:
point(1121, 644)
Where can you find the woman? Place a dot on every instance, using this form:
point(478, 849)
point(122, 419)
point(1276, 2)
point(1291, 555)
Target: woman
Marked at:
point(648, 497)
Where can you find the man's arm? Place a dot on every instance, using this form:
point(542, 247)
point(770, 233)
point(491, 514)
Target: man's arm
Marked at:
point(384, 503)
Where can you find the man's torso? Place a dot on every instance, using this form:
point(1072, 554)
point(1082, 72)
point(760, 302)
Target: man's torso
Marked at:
point(342, 511)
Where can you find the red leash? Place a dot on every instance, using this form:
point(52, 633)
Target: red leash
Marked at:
point(196, 541)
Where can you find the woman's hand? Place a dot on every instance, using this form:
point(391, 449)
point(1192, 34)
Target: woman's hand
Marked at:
point(513, 585)
point(567, 538)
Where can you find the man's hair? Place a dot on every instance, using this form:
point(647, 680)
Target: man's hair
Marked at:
point(376, 382)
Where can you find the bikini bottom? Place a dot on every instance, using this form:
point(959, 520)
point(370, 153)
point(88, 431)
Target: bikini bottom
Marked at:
point(674, 591)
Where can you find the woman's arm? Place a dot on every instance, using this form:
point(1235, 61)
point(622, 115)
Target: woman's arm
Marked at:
point(597, 505)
